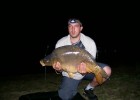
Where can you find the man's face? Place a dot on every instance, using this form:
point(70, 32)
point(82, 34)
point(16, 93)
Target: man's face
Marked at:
point(74, 29)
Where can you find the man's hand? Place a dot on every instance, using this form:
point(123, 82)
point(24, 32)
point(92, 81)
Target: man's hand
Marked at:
point(82, 68)
point(57, 66)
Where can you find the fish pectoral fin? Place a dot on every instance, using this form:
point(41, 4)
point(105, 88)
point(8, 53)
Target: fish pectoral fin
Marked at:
point(70, 75)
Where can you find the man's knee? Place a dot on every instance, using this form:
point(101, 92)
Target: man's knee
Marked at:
point(107, 69)
point(65, 95)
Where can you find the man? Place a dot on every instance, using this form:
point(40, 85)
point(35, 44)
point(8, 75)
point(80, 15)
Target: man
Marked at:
point(68, 87)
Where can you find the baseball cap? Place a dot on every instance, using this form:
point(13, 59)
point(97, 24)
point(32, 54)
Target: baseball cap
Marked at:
point(74, 20)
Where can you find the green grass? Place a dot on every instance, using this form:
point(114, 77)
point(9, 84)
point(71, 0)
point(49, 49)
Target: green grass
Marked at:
point(124, 84)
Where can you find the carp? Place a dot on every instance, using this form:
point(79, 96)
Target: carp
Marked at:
point(70, 56)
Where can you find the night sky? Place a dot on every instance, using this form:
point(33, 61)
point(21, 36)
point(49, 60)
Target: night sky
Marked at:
point(28, 36)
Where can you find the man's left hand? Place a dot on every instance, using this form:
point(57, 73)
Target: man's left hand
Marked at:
point(82, 68)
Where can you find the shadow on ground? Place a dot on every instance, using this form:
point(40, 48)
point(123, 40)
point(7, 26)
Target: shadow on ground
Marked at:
point(52, 95)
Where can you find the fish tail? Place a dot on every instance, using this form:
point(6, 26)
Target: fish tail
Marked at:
point(99, 78)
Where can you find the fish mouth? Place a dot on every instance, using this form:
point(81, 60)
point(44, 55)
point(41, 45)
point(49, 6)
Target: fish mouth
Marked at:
point(42, 63)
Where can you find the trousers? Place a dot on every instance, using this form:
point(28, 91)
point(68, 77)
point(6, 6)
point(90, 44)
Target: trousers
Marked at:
point(68, 86)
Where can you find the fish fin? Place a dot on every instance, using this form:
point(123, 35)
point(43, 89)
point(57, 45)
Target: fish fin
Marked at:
point(104, 74)
point(70, 75)
point(99, 78)
point(98, 72)
point(100, 75)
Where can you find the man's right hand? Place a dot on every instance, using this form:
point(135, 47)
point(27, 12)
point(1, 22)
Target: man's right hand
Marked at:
point(57, 66)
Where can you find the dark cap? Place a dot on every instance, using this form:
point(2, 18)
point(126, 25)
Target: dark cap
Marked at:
point(74, 20)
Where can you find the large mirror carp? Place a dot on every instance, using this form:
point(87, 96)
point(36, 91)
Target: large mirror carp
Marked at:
point(70, 56)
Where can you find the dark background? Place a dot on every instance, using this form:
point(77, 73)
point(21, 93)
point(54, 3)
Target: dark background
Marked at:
point(29, 34)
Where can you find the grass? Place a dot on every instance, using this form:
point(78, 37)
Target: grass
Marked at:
point(124, 84)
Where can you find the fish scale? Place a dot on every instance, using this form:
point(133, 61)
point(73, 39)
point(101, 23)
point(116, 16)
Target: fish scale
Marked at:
point(70, 57)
